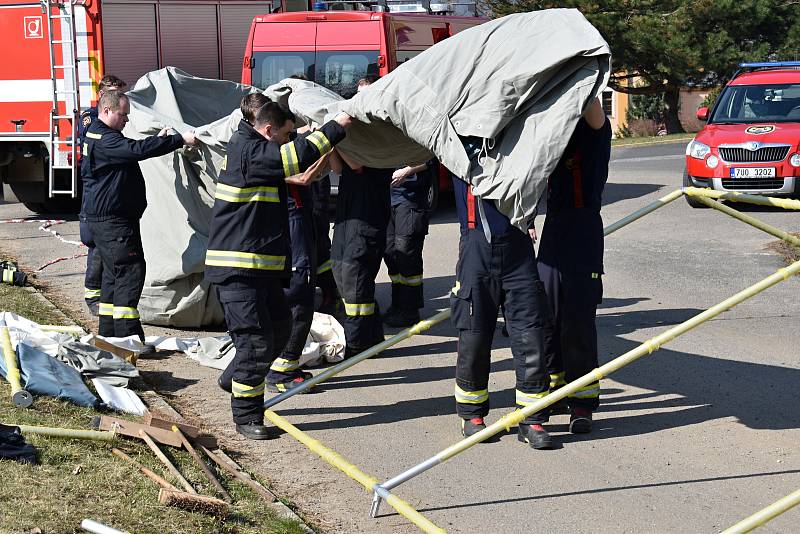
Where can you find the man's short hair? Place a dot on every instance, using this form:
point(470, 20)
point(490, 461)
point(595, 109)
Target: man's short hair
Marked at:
point(251, 104)
point(111, 100)
point(369, 79)
point(272, 114)
point(109, 81)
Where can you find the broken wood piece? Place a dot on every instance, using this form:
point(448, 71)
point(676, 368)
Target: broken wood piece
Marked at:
point(148, 473)
point(193, 503)
point(129, 428)
point(206, 471)
point(241, 475)
point(125, 354)
point(164, 460)
point(192, 432)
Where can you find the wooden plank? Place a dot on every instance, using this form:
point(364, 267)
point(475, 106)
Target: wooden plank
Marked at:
point(190, 431)
point(165, 436)
point(129, 428)
point(125, 354)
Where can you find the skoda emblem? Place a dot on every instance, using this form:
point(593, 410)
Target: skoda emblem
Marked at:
point(758, 130)
point(752, 146)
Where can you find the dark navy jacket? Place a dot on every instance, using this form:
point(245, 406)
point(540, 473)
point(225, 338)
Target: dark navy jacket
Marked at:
point(249, 234)
point(414, 190)
point(572, 237)
point(113, 183)
point(469, 216)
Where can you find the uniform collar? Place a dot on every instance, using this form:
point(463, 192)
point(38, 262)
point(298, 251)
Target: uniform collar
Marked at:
point(247, 130)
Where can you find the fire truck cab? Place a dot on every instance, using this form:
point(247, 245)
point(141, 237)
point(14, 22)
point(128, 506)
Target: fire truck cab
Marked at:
point(337, 48)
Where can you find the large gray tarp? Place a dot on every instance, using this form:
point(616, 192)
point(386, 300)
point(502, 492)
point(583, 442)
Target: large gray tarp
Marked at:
point(517, 85)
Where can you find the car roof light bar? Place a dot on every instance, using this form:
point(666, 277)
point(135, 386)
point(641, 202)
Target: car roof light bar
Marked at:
point(774, 64)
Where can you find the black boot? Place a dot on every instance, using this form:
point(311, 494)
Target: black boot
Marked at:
point(399, 318)
point(536, 436)
point(255, 431)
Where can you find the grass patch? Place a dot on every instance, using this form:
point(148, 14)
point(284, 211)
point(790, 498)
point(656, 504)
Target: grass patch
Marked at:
point(669, 138)
point(787, 251)
point(81, 479)
point(23, 302)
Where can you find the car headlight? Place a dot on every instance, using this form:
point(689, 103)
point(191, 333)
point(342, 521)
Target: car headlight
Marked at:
point(697, 150)
point(712, 162)
point(795, 160)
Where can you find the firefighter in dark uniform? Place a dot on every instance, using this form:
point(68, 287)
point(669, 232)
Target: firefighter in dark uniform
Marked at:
point(248, 257)
point(405, 237)
point(571, 261)
point(359, 240)
point(115, 200)
point(94, 266)
point(285, 370)
point(496, 264)
point(331, 300)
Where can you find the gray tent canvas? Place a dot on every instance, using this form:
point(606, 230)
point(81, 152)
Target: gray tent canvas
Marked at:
point(515, 87)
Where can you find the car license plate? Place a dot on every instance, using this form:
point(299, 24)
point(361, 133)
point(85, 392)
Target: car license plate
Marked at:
point(753, 172)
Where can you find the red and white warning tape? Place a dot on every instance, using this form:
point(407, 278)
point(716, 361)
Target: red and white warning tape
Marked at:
point(45, 227)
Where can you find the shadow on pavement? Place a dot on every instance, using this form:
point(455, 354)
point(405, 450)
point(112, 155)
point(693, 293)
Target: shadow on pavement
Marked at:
point(704, 388)
point(606, 490)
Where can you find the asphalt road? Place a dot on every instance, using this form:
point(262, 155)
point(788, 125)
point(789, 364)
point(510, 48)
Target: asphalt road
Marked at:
point(690, 439)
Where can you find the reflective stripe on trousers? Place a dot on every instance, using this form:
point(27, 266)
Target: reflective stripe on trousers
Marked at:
point(243, 390)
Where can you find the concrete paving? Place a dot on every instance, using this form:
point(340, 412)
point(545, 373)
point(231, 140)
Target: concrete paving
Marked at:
point(691, 439)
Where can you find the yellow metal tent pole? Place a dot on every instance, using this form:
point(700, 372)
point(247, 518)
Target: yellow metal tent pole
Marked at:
point(752, 221)
point(339, 462)
point(638, 214)
point(646, 348)
point(19, 397)
point(68, 433)
point(418, 328)
point(767, 514)
point(784, 203)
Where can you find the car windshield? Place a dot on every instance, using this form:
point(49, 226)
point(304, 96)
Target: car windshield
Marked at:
point(338, 70)
point(745, 104)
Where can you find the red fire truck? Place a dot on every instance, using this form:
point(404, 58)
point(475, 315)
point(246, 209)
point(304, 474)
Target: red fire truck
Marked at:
point(55, 54)
point(337, 48)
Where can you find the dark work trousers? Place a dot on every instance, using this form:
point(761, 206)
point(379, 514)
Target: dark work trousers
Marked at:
point(324, 267)
point(360, 251)
point(571, 338)
point(405, 237)
point(486, 275)
point(119, 243)
point(93, 278)
point(257, 315)
point(299, 296)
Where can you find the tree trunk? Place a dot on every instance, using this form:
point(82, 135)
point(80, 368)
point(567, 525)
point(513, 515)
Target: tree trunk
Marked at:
point(672, 98)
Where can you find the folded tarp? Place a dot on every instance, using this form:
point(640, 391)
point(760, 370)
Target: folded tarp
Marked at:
point(97, 364)
point(44, 375)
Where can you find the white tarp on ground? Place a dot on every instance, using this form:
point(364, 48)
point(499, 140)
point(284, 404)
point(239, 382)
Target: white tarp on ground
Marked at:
point(516, 85)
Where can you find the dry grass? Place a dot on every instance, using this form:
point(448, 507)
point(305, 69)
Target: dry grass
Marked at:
point(788, 252)
point(79, 479)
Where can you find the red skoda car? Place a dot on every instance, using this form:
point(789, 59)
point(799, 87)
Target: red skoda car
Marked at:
point(750, 142)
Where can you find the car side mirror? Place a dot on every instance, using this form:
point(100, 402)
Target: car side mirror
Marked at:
point(702, 114)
